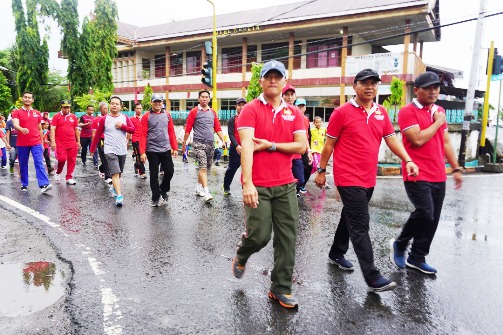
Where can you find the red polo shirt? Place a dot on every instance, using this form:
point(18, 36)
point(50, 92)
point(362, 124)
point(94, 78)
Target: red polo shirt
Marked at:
point(96, 124)
point(271, 168)
point(29, 119)
point(136, 121)
point(65, 130)
point(430, 157)
point(359, 135)
point(87, 131)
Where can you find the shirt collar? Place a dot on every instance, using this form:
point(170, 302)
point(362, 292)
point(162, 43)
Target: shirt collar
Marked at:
point(201, 108)
point(282, 105)
point(417, 103)
point(373, 108)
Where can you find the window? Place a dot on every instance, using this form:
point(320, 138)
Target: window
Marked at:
point(275, 51)
point(176, 64)
point(175, 105)
point(160, 66)
point(325, 53)
point(193, 62)
point(232, 60)
point(228, 104)
point(251, 56)
point(191, 103)
point(145, 68)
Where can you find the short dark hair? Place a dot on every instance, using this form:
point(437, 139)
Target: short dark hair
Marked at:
point(136, 104)
point(89, 106)
point(115, 97)
point(28, 92)
point(204, 91)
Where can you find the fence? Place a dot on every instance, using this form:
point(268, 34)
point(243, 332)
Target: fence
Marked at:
point(452, 115)
point(179, 115)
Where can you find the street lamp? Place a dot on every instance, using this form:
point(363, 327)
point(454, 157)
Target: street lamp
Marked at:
point(214, 103)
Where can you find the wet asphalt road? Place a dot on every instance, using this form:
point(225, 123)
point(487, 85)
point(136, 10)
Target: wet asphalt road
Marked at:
point(166, 270)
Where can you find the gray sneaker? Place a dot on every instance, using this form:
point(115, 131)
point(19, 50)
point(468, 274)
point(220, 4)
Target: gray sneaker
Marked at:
point(46, 188)
point(285, 300)
point(237, 269)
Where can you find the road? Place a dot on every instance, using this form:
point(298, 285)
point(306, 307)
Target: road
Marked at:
point(167, 270)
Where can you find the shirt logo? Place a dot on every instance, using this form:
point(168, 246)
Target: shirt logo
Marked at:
point(286, 111)
point(379, 117)
point(288, 117)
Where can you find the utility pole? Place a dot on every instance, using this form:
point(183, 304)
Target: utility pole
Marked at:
point(470, 95)
point(214, 58)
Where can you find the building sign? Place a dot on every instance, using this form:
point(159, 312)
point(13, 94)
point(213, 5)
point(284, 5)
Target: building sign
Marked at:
point(237, 30)
point(384, 64)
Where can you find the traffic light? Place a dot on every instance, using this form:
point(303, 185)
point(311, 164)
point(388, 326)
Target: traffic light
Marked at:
point(207, 71)
point(497, 63)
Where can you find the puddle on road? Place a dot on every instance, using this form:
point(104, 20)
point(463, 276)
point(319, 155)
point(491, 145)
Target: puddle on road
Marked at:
point(28, 288)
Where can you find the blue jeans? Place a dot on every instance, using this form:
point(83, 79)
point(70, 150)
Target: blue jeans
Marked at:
point(4, 156)
point(37, 153)
point(234, 164)
point(298, 172)
point(12, 156)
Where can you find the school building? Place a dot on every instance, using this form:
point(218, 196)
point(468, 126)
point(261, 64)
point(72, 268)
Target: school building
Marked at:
point(323, 44)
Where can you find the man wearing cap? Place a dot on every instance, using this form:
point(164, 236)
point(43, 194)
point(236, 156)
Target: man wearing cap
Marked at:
point(354, 134)
point(139, 167)
point(205, 123)
point(114, 128)
point(426, 139)
point(289, 95)
point(157, 144)
point(27, 122)
point(271, 131)
point(86, 135)
point(235, 147)
point(65, 140)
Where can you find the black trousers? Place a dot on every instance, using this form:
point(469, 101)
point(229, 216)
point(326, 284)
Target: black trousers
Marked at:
point(307, 168)
point(47, 158)
point(354, 225)
point(104, 165)
point(163, 159)
point(138, 164)
point(234, 164)
point(85, 143)
point(422, 224)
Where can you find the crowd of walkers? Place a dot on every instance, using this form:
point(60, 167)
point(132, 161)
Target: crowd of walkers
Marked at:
point(277, 149)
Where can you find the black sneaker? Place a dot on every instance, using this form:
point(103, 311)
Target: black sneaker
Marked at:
point(381, 284)
point(24, 189)
point(227, 192)
point(342, 263)
point(154, 203)
point(285, 300)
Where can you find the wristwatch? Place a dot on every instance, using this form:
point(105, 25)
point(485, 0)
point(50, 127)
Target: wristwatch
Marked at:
point(272, 148)
point(319, 170)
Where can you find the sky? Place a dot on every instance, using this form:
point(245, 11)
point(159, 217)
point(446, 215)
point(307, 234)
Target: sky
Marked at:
point(453, 51)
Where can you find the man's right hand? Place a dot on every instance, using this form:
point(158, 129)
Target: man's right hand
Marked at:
point(250, 195)
point(439, 117)
point(321, 179)
point(25, 130)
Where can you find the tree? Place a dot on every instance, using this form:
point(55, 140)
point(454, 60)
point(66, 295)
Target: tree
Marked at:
point(254, 89)
point(32, 53)
point(55, 90)
point(395, 99)
point(147, 96)
point(92, 99)
point(5, 95)
point(8, 66)
point(480, 111)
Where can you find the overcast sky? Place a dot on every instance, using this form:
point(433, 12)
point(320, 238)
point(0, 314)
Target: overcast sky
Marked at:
point(453, 51)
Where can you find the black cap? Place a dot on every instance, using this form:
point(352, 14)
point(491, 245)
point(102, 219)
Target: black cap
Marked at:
point(427, 79)
point(240, 100)
point(365, 74)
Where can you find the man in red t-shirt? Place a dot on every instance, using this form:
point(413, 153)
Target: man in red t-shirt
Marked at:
point(103, 168)
point(354, 134)
point(271, 131)
point(425, 137)
point(65, 139)
point(86, 135)
point(139, 168)
point(27, 122)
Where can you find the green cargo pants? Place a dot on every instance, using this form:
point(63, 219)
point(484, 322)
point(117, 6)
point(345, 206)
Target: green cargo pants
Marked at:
point(277, 211)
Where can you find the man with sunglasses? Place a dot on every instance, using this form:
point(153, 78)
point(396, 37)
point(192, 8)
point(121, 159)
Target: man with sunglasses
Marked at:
point(425, 137)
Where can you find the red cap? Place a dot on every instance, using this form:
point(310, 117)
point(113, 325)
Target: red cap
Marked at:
point(287, 88)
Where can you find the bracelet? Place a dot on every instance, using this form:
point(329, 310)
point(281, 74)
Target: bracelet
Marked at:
point(456, 170)
point(408, 162)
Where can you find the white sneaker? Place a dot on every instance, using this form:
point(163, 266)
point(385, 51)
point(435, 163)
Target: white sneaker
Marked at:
point(57, 177)
point(108, 181)
point(102, 175)
point(71, 181)
point(208, 197)
point(200, 191)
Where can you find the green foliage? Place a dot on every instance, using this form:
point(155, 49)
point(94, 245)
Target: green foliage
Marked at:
point(254, 89)
point(395, 99)
point(147, 96)
point(55, 90)
point(7, 61)
point(92, 99)
point(5, 95)
point(32, 52)
point(480, 111)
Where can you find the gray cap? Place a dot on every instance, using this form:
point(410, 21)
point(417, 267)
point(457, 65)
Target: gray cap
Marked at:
point(157, 97)
point(240, 100)
point(273, 65)
point(427, 79)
